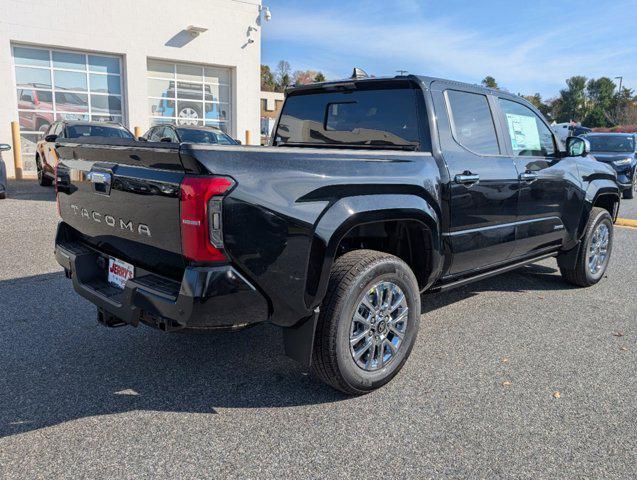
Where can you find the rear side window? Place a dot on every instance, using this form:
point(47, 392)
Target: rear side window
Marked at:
point(472, 120)
point(530, 137)
point(366, 117)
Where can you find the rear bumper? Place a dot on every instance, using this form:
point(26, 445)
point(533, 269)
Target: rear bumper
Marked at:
point(207, 298)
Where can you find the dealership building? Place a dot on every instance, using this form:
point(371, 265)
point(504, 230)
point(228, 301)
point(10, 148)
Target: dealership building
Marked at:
point(139, 62)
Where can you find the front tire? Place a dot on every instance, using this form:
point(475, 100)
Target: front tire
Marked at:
point(43, 180)
point(630, 193)
point(594, 251)
point(368, 322)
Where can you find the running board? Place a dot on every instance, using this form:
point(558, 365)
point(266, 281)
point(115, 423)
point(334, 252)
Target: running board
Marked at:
point(507, 268)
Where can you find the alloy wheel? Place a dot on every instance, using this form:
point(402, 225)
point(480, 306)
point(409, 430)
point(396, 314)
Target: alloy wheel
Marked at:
point(378, 326)
point(598, 249)
point(188, 116)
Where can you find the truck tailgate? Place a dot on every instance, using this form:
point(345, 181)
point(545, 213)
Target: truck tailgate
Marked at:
point(124, 200)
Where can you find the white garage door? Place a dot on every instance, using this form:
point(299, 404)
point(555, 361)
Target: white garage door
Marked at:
point(63, 85)
point(187, 94)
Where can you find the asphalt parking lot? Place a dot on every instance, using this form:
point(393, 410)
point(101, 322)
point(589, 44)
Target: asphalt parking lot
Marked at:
point(477, 398)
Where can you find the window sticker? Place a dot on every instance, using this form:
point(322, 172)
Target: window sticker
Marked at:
point(524, 132)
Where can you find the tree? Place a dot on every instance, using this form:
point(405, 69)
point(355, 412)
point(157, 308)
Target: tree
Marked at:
point(268, 83)
point(490, 82)
point(624, 107)
point(283, 75)
point(319, 77)
point(572, 102)
point(544, 108)
point(304, 77)
point(601, 92)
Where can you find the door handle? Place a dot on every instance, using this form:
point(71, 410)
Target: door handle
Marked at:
point(467, 178)
point(528, 177)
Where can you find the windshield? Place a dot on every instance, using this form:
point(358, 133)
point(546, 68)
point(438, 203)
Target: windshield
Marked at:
point(612, 143)
point(365, 117)
point(204, 136)
point(77, 131)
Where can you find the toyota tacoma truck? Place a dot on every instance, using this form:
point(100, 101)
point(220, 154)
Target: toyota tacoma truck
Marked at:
point(371, 193)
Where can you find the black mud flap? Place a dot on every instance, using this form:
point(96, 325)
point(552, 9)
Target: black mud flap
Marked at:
point(568, 259)
point(298, 341)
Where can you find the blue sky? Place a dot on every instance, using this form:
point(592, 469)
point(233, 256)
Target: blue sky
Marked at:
point(527, 45)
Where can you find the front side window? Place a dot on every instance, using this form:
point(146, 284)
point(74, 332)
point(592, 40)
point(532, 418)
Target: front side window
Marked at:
point(473, 125)
point(530, 137)
point(170, 133)
point(153, 134)
point(368, 116)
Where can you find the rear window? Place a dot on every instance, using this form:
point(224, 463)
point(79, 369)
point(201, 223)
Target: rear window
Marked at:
point(79, 131)
point(370, 117)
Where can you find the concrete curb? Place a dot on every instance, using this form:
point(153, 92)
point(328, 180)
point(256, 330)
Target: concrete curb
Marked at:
point(626, 222)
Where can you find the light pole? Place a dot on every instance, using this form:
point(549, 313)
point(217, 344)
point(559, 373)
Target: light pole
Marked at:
point(619, 96)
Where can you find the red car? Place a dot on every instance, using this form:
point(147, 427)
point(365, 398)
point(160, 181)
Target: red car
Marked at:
point(35, 108)
point(45, 154)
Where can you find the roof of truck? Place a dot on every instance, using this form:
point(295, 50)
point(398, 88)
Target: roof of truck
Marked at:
point(423, 79)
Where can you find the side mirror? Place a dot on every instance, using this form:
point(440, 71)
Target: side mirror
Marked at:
point(50, 138)
point(142, 139)
point(4, 147)
point(166, 139)
point(238, 141)
point(577, 147)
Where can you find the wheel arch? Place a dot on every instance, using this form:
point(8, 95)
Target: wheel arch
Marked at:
point(410, 213)
point(604, 194)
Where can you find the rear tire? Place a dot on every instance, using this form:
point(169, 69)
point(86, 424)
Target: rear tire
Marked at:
point(373, 296)
point(594, 251)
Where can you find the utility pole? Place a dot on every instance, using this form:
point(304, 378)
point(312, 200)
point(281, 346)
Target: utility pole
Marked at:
point(619, 96)
point(402, 72)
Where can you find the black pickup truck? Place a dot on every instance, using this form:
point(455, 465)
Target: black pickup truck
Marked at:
point(372, 192)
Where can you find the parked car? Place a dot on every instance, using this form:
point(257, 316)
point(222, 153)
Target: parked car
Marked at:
point(36, 107)
point(565, 130)
point(3, 172)
point(620, 151)
point(372, 192)
point(45, 151)
point(190, 134)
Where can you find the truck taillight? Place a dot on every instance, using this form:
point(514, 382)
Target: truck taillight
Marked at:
point(201, 217)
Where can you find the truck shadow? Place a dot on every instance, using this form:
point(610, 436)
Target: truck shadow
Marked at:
point(536, 277)
point(58, 365)
point(29, 190)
